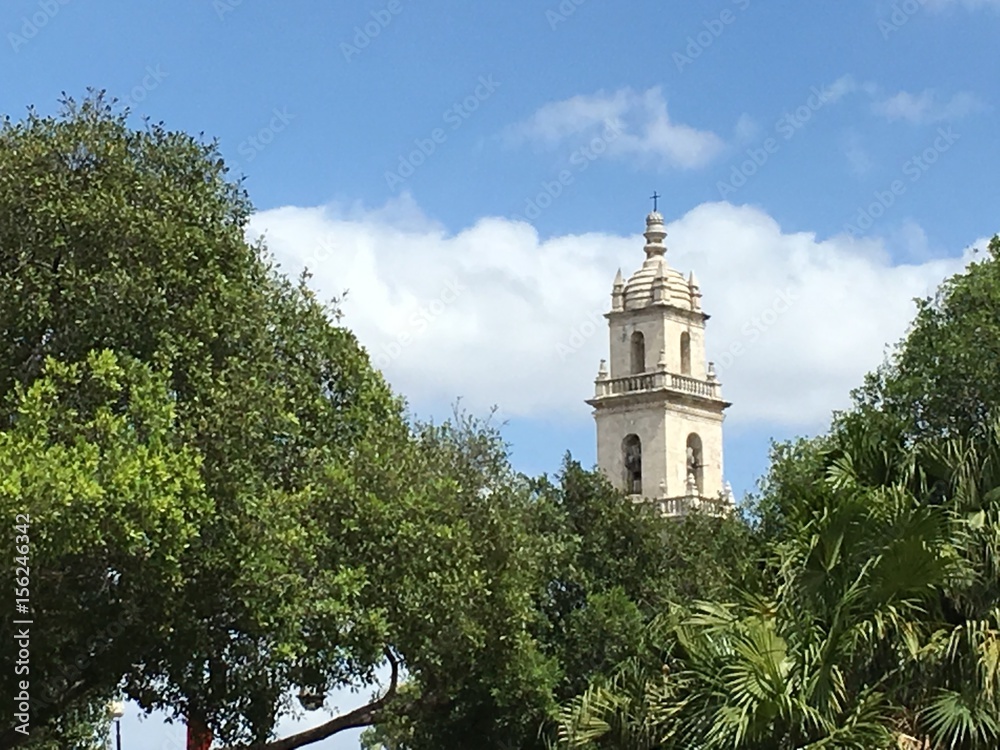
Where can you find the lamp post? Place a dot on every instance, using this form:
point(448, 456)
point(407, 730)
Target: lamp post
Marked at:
point(117, 711)
point(311, 699)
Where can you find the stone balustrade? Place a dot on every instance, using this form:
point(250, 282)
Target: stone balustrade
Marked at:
point(687, 384)
point(633, 383)
point(676, 507)
point(653, 381)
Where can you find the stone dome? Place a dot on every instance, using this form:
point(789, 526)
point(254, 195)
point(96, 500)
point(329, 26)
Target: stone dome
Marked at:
point(655, 281)
point(655, 272)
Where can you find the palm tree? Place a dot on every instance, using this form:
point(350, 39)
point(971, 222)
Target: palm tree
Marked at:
point(881, 627)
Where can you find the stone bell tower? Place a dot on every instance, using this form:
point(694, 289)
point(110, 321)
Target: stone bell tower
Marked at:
point(659, 407)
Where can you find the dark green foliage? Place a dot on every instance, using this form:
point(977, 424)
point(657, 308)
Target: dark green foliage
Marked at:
point(945, 378)
point(603, 569)
point(211, 464)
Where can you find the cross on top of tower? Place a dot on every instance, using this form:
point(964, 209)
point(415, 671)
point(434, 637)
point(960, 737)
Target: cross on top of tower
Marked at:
point(655, 197)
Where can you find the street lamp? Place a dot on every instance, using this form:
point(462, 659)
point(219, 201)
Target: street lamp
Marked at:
point(117, 710)
point(311, 699)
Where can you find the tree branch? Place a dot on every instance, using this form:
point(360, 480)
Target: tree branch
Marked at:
point(360, 717)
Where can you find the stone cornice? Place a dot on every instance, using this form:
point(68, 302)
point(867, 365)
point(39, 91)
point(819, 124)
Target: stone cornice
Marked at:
point(696, 316)
point(681, 402)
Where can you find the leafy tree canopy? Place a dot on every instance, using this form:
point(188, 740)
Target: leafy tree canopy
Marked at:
point(608, 568)
point(228, 505)
point(943, 378)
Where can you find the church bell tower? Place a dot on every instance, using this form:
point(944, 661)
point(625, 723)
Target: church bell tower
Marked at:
point(659, 407)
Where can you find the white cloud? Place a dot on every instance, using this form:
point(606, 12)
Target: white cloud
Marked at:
point(515, 299)
point(649, 137)
point(839, 89)
point(927, 107)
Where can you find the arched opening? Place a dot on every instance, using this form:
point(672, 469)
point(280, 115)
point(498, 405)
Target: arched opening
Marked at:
point(685, 353)
point(638, 353)
point(695, 462)
point(632, 458)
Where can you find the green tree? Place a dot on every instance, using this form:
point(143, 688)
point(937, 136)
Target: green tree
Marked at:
point(944, 378)
point(229, 506)
point(606, 567)
point(132, 241)
point(105, 500)
point(620, 564)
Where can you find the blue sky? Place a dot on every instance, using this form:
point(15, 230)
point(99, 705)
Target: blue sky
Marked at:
point(839, 154)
